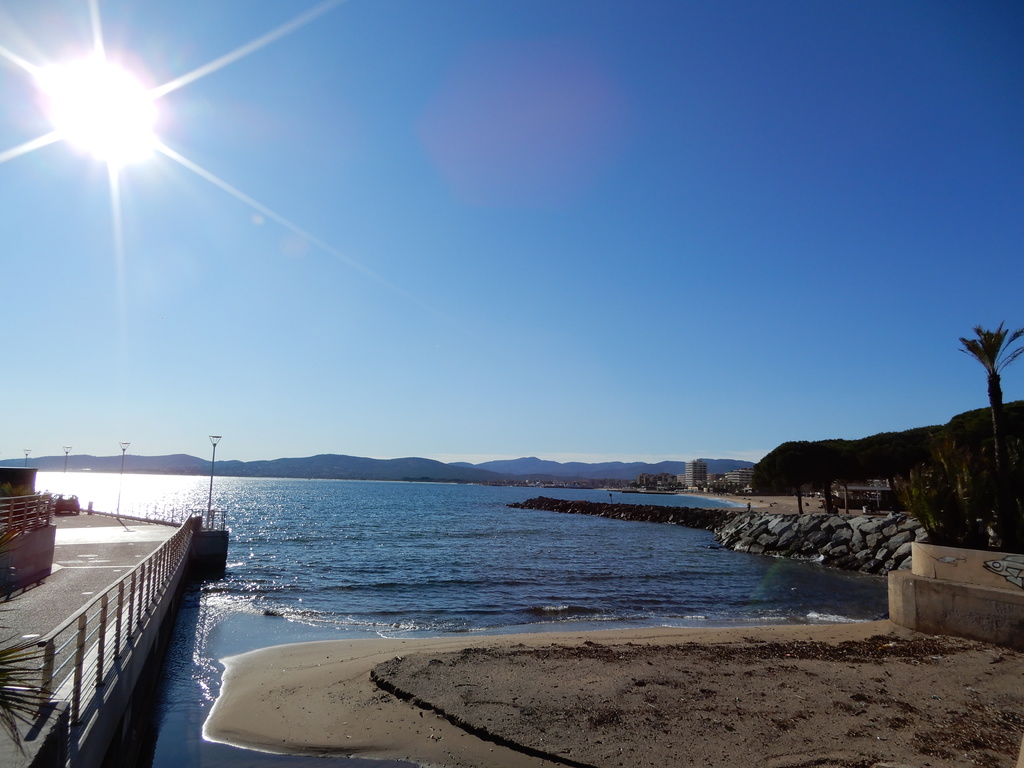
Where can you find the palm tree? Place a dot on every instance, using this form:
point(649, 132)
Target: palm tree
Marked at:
point(992, 350)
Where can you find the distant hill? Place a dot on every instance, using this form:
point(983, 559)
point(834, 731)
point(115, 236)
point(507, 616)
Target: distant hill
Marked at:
point(335, 466)
point(610, 470)
point(324, 466)
point(173, 464)
point(342, 467)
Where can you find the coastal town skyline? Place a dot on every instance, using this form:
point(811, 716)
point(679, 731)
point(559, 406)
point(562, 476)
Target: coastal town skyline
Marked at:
point(472, 233)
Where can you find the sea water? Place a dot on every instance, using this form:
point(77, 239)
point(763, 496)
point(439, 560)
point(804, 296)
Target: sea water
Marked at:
point(322, 559)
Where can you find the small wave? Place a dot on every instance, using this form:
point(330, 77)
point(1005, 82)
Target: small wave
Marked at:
point(830, 618)
point(560, 610)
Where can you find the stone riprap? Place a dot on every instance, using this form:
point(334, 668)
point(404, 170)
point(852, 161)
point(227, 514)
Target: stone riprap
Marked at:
point(866, 543)
point(691, 517)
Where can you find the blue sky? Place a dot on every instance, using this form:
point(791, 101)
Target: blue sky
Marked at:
point(577, 230)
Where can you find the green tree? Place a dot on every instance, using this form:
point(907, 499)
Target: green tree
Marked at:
point(799, 463)
point(783, 470)
point(993, 350)
point(829, 461)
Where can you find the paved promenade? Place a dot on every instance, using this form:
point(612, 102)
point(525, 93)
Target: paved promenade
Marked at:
point(91, 553)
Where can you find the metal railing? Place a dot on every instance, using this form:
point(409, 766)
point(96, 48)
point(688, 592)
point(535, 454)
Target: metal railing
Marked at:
point(213, 520)
point(79, 657)
point(20, 514)
point(169, 514)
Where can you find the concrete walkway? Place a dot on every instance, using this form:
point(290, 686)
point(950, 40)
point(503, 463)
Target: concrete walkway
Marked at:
point(91, 553)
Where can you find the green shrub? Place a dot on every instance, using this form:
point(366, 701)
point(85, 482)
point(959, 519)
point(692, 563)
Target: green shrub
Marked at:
point(953, 495)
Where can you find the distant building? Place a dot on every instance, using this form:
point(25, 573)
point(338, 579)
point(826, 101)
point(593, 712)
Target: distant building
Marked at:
point(696, 473)
point(660, 480)
point(741, 477)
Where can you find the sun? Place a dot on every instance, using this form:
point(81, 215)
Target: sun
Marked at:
point(104, 110)
point(100, 108)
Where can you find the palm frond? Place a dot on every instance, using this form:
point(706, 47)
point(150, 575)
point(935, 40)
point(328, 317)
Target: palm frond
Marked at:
point(992, 348)
point(21, 695)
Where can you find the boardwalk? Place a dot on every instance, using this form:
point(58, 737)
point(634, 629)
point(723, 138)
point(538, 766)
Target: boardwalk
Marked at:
point(92, 552)
point(98, 618)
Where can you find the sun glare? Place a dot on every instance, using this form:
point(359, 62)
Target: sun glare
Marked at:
point(101, 109)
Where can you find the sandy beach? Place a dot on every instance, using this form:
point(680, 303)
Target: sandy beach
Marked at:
point(783, 505)
point(846, 695)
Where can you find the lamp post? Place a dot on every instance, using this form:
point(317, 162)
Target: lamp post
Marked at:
point(209, 504)
point(67, 450)
point(27, 452)
point(124, 448)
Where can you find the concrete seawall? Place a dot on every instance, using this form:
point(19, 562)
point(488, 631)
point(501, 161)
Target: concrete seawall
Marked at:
point(870, 544)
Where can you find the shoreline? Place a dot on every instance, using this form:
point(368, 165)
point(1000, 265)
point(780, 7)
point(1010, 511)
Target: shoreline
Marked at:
point(318, 698)
point(782, 505)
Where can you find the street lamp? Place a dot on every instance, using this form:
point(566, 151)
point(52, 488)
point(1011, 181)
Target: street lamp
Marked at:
point(124, 447)
point(27, 452)
point(67, 450)
point(209, 504)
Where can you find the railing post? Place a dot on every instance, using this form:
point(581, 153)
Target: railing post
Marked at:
point(76, 691)
point(158, 577)
point(137, 621)
point(131, 610)
point(101, 643)
point(49, 654)
point(117, 621)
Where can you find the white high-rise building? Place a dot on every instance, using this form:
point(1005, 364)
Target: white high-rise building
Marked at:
point(696, 473)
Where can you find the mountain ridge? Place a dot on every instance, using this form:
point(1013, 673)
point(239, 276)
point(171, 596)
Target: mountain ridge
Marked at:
point(344, 467)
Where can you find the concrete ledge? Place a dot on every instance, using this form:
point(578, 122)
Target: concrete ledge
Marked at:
point(942, 607)
point(209, 552)
point(29, 560)
point(985, 568)
point(44, 741)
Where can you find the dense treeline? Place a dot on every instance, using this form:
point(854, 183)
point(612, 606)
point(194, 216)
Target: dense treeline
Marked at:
point(796, 465)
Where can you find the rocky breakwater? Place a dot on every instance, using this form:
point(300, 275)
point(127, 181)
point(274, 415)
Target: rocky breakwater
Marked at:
point(867, 543)
point(691, 517)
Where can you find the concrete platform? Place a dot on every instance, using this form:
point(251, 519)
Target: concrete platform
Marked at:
point(91, 552)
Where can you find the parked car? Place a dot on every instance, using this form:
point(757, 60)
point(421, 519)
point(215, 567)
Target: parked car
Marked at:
point(66, 505)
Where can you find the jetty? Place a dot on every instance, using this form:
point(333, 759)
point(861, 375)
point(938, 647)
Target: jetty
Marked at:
point(94, 598)
point(874, 544)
